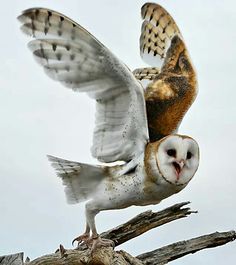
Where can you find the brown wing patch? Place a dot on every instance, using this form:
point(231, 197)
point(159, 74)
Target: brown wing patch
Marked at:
point(167, 104)
point(159, 90)
point(169, 96)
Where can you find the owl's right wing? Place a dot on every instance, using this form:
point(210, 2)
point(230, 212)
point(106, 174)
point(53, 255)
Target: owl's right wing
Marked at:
point(71, 55)
point(146, 73)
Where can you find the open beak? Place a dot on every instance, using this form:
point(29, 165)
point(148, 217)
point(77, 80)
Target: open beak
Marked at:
point(178, 167)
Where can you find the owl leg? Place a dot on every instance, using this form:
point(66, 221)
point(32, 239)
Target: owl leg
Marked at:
point(96, 240)
point(84, 238)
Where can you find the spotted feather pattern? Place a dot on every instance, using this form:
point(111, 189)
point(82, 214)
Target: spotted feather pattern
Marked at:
point(149, 73)
point(69, 54)
point(171, 92)
point(157, 30)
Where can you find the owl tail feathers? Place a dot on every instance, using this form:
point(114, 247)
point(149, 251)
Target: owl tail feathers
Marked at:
point(80, 179)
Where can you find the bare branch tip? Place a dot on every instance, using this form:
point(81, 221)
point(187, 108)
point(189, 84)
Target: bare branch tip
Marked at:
point(180, 205)
point(185, 203)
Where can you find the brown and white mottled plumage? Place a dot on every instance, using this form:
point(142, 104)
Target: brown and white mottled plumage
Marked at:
point(151, 171)
point(148, 73)
point(172, 89)
point(164, 168)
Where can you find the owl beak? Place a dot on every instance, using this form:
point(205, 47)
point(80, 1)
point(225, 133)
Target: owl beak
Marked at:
point(178, 167)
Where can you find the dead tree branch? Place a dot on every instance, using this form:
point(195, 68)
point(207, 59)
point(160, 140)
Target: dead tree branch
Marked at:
point(131, 229)
point(145, 222)
point(177, 250)
point(15, 259)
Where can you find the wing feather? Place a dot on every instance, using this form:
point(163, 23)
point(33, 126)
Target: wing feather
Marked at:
point(80, 180)
point(71, 55)
point(157, 30)
point(148, 73)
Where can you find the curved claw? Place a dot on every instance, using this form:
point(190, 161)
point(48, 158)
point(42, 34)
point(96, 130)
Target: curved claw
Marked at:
point(81, 239)
point(76, 239)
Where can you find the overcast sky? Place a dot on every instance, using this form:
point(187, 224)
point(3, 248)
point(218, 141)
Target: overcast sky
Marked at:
point(39, 116)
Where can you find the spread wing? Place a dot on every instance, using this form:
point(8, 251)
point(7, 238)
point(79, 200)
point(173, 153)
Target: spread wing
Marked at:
point(71, 55)
point(170, 91)
point(158, 28)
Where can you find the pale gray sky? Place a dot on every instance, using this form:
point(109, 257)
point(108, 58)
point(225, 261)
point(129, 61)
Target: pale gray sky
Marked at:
point(38, 116)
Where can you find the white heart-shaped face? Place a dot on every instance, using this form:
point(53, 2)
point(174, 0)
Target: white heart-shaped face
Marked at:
point(178, 159)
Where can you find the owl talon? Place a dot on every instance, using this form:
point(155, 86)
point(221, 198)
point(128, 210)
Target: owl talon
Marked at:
point(99, 242)
point(83, 239)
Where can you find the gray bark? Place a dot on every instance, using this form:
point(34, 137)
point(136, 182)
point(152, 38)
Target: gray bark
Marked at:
point(177, 250)
point(15, 259)
point(131, 229)
point(145, 222)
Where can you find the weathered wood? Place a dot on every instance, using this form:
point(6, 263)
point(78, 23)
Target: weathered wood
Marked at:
point(133, 228)
point(130, 259)
point(101, 256)
point(177, 250)
point(146, 221)
point(14, 259)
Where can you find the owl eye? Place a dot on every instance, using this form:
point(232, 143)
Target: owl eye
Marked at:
point(171, 152)
point(189, 155)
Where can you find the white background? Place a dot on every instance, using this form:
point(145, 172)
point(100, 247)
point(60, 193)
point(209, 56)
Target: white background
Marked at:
point(38, 116)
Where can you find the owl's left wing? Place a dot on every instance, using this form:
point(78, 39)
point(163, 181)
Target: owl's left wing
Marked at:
point(71, 55)
point(171, 91)
point(158, 28)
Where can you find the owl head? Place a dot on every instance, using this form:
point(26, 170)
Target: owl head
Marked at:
point(177, 158)
point(173, 159)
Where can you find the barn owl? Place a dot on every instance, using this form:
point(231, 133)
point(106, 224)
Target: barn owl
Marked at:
point(164, 168)
point(155, 164)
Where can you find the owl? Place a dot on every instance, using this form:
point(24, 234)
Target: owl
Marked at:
point(163, 168)
point(129, 118)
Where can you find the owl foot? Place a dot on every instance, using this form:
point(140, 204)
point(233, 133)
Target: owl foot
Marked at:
point(81, 240)
point(99, 242)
